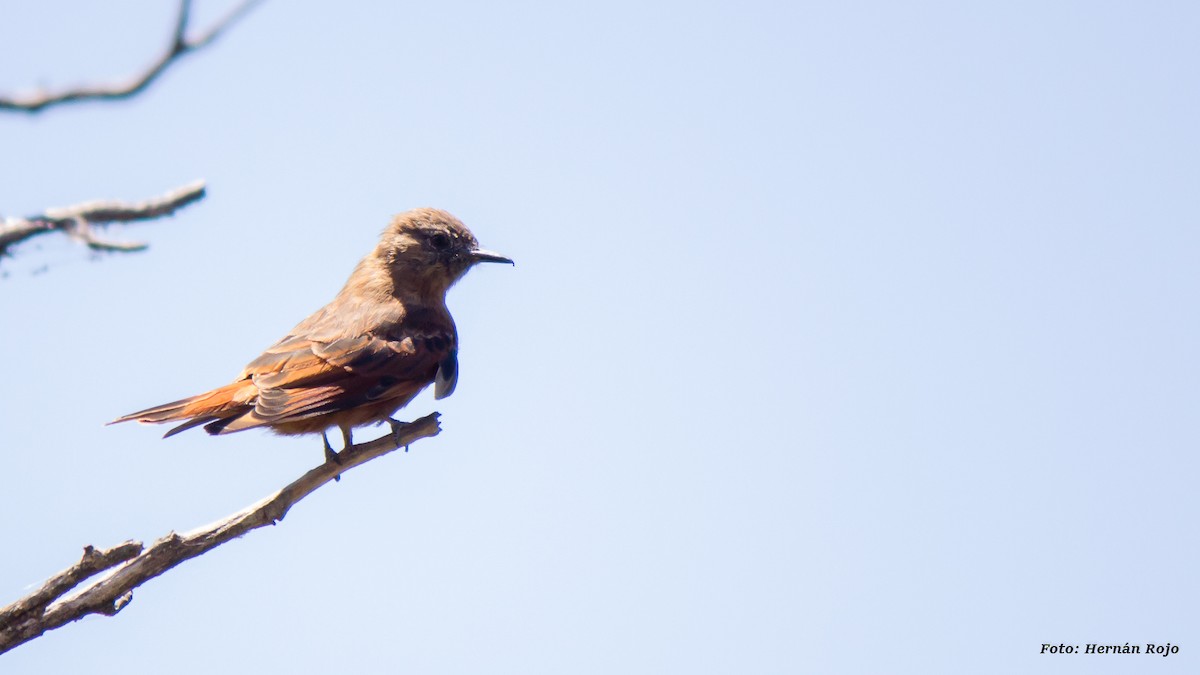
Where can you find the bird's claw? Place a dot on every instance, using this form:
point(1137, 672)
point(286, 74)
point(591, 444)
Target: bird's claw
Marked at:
point(397, 426)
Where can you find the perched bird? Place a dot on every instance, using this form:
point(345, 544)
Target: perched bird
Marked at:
point(356, 361)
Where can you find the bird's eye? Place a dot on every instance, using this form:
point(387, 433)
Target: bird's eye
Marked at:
point(440, 241)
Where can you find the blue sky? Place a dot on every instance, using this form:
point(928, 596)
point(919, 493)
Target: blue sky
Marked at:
point(843, 337)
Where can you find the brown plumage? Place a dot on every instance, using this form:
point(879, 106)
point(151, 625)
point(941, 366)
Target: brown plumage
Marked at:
point(385, 337)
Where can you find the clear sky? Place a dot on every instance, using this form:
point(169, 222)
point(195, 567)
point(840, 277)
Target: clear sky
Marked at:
point(853, 337)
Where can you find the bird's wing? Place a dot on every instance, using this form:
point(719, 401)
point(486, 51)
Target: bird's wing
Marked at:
point(332, 361)
point(301, 377)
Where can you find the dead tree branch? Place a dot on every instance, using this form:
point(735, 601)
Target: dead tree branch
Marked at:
point(180, 44)
point(129, 566)
point(78, 221)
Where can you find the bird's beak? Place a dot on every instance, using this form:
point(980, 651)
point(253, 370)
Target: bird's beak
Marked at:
point(483, 255)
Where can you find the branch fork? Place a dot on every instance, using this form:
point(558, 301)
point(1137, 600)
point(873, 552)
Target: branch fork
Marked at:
point(78, 221)
point(118, 570)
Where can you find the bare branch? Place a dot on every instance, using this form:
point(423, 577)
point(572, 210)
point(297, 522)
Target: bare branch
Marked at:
point(77, 221)
point(49, 607)
point(229, 19)
point(180, 45)
point(93, 562)
point(112, 211)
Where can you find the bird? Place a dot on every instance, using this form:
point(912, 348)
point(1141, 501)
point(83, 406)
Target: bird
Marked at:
point(356, 361)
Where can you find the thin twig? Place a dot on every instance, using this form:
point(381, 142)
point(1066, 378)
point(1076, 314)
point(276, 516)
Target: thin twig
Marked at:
point(78, 221)
point(180, 45)
point(51, 607)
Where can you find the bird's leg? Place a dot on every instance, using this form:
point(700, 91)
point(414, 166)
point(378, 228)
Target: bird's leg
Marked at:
point(396, 426)
point(330, 455)
point(347, 438)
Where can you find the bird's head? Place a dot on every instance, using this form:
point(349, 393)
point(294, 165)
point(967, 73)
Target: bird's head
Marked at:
point(427, 250)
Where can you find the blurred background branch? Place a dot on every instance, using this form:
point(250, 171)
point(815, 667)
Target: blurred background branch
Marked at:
point(78, 221)
point(180, 44)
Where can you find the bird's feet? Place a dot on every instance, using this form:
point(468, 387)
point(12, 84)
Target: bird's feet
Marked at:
point(397, 426)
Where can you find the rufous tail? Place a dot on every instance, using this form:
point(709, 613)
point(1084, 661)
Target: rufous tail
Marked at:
point(222, 403)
